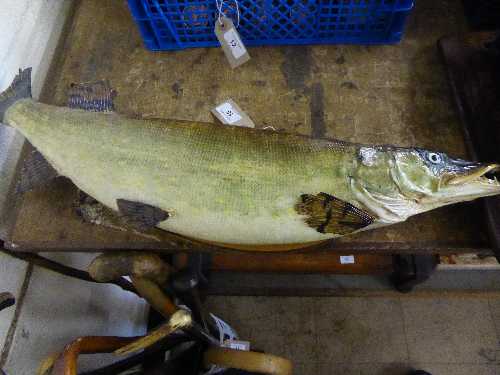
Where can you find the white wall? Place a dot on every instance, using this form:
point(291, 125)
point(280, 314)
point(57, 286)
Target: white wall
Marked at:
point(28, 36)
point(51, 309)
point(29, 33)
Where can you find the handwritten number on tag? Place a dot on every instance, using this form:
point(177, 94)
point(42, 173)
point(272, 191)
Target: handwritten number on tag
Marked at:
point(229, 114)
point(233, 41)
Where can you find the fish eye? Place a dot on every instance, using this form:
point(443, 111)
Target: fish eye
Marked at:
point(434, 158)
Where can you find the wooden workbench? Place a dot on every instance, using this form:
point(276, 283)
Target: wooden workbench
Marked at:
point(394, 94)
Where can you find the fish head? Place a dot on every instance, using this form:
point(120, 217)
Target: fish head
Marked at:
point(407, 181)
point(434, 179)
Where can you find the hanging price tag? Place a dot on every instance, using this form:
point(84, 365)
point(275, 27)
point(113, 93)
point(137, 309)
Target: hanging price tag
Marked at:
point(231, 43)
point(229, 113)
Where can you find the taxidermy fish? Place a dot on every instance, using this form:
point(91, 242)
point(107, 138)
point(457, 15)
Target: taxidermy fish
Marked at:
point(234, 186)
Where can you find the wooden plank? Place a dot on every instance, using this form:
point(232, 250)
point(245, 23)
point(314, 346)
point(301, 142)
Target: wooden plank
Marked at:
point(311, 262)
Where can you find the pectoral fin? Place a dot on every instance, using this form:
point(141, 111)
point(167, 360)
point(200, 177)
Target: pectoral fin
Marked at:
point(142, 216)
point(36, 171)
point(94, 96)
point(328, 214)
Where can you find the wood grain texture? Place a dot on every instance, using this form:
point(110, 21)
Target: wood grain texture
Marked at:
point(311, 262)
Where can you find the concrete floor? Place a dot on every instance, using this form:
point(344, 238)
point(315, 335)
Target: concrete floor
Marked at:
point(371, 336)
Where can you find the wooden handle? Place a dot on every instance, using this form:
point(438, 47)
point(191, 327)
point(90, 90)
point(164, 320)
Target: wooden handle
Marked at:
point(152, 293)
point(108, 267)
point(180, 319)
point(66, 363)
point(248, 361)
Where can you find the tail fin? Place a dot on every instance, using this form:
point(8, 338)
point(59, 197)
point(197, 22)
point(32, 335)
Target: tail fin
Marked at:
point(20, 88)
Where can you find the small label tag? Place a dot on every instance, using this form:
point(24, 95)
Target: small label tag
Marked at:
point(229, 113)
point(347, 259)
point(231, 43)
point(237, 345)
point(234, 42)
point(226, 332)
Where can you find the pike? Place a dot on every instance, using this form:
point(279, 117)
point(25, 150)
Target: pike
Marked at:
point(236, 187)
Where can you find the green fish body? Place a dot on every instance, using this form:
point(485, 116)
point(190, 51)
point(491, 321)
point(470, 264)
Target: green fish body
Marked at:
point(218, 183)
point(241, 186)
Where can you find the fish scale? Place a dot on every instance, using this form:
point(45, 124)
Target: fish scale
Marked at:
point(192, 169)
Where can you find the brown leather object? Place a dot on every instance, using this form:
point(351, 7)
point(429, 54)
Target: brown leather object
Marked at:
point(249, 361)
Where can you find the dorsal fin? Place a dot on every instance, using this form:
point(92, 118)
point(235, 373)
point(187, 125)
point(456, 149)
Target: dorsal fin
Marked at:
point(328, 214)
point(92, 96)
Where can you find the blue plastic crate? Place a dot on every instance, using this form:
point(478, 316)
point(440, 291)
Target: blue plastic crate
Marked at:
point(179, 24)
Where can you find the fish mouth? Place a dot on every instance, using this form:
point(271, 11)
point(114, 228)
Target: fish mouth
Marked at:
point(484, 174)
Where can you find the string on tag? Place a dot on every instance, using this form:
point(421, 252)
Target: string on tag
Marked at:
point(220, 4)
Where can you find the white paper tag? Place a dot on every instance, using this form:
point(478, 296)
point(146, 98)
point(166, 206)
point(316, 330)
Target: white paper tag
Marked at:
point(231, 42)
point(235, 44)
point(237, 345)
point(228, 113)
point(347, 259)
point(226, 332)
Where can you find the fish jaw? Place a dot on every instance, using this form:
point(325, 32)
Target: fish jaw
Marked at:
point(477, 175)
point(465, 187)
